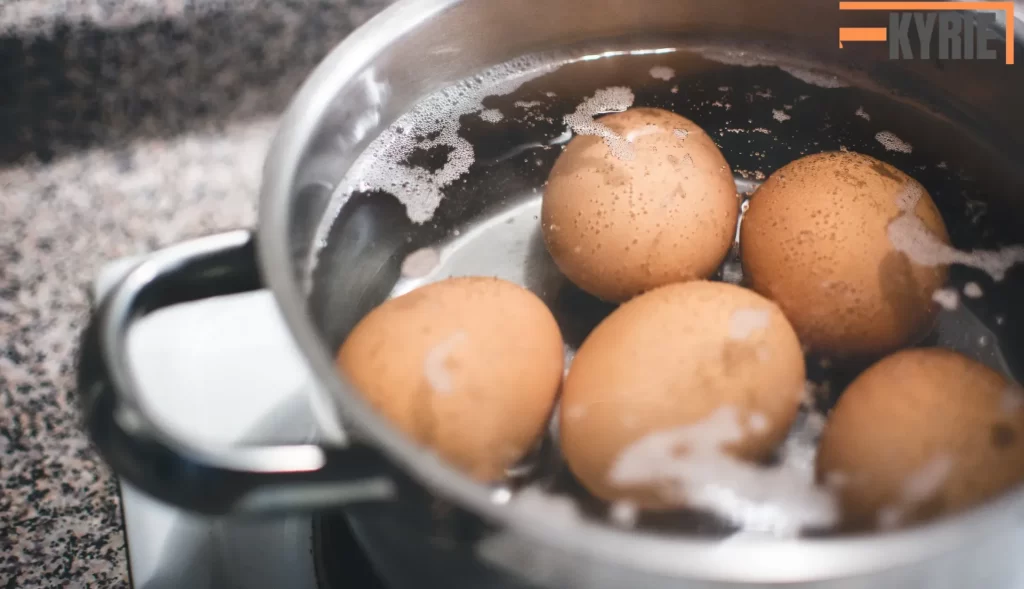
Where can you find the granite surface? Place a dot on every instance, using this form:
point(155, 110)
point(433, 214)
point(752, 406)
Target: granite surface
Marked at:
point(125, 125)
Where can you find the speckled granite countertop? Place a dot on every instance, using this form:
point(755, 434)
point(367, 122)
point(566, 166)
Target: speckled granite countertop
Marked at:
point(125, 125)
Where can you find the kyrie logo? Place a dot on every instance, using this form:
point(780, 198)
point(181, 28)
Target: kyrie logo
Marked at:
point(964, 30)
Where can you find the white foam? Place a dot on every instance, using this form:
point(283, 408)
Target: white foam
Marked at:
point(919, 487)
point(606, 100)
point(433, 123)
point(661, 72)
point(681, 133)
point(1013, 399)
point(759, 59)
point(745, 322)
point(624, 513)
point(688, 465)
point(434, 369)
point(675, 89)
point(891, 142)
point(554, 507)
point(862, 113)
point(526, 103)
point(973, 291)
point(491, 115)
point(780, 115)
point(908, 234)
point(420, 263)
point(947, 298)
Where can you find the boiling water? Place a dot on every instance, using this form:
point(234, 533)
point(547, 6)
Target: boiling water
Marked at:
point(454, 188)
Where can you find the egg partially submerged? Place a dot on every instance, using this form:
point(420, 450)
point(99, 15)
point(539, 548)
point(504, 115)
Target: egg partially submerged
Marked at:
point(816, 240)
point(467, 366)
point(922, 433)
point(686, 369)
point(646, 201)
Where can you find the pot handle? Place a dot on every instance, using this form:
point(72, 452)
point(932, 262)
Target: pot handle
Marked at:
point(228, 480)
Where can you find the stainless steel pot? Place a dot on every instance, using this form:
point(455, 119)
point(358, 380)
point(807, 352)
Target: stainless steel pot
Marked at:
point(421, 520)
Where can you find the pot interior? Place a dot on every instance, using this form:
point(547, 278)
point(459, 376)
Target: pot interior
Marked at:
point(763, 79)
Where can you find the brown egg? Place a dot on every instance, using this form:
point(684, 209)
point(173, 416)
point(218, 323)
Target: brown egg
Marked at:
point(671, 358)
point(618, 227)
point(815, 241)
point(468, 366)
point(921, 433)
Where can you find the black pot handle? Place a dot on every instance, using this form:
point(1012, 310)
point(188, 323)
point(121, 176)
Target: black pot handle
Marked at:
point(227, 480)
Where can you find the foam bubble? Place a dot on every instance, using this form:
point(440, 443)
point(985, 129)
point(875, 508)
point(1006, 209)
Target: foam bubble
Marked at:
point(891, 142)
point(661, 72)
point(526, 103)
point(780, 115)
point(675, 89)
point(434, 122)
point(909, 235)
point(947, 298)
point(420, 263)
point(613, 99)
point(491, 115)
point(624, 513)
point(772, 499)
point(862, 113)
point(434, 368)
point(744, 322)
point(553, 507)
point(918, 488)
point(972, 290)
point(681, 133)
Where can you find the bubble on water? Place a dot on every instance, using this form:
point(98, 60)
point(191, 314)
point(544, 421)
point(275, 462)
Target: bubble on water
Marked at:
point(420, 263)
point(674, 90)
point(606, 100)
point(501, 495)
point(661, 72)
point(780, 115)
point(624, 513)
point(973, 291)
point(555, 508)
point(862, 113)
point(688, 465)
point(891, 142)
point(491, 115)
point(745, 322)
point(435, 364)
point(909, 235)
point(434, 123)
point(947, 298)
point(526, 103)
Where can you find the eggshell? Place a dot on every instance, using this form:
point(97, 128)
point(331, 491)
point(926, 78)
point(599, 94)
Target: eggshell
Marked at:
point(618, 227)
point(468, 366)
point(922, 433)
point(672, 357)
point(815, 241)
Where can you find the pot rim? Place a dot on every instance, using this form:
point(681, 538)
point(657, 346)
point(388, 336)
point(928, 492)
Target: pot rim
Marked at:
point(752, 560)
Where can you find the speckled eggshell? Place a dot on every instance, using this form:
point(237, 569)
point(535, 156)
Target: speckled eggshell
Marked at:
point(815, 241)
point(671, 357)
point(468, 366)
point(922, 433)
point(619, 227)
